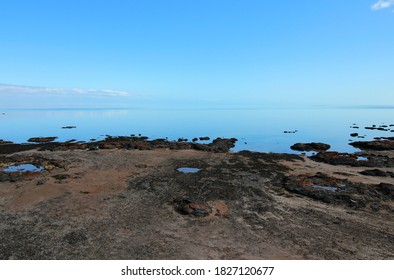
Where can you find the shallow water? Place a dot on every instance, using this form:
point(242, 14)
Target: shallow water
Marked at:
point(256, 129)
point(328, 188)
point(362, 158)
point(188, 170)
point(23, 168)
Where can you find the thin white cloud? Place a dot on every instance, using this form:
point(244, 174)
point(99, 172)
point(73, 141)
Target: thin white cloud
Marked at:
point(17, 89)
point(382, 4)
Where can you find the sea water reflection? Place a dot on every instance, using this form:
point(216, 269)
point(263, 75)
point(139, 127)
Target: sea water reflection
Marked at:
point(256, 129)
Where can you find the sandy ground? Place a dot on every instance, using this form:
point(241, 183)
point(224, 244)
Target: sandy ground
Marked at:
point(119, 204)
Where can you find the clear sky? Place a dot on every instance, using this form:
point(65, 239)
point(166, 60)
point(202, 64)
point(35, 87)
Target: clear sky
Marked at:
point(208, 53)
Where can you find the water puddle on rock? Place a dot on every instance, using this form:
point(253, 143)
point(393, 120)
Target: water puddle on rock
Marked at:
point(333, 189)
point(23, 168)
point(361, 158)
point(188, 170)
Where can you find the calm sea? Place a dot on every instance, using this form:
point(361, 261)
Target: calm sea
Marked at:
point(256, 129)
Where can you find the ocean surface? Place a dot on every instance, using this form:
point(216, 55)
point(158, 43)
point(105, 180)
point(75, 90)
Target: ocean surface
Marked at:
point(256, 129)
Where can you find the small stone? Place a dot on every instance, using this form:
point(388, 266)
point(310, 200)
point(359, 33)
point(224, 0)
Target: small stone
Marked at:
point(41, 182)
point(187, 207)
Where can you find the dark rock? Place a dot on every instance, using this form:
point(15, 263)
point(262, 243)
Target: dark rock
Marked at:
point(5, 142)
point(204, 138)
point(377, 145)
point(314, 146)
point(129, 146)
point(195, 139)
point(41, 139)
point(387, 189)
point(374, 172)
point(10, 177)
point(41, 182)
point(93, 148)
point(188, 207)
point(375, 206)
point(220, 145)
point(336, 158)
point(354, 134)
point(107, 145)
point(357, 203)
point(69, 127)
point(4, 177)
point(182, 139)
point(74, 237)
point(61, 176)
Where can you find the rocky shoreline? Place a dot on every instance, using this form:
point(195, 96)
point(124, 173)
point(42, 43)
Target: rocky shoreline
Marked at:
point(129, 198)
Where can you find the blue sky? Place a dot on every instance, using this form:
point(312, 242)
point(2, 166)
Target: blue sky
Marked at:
point(204, 53)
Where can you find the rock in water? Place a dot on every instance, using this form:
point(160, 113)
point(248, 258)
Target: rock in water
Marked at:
point(41, 139)
point(377, 145)
point(314, 146)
